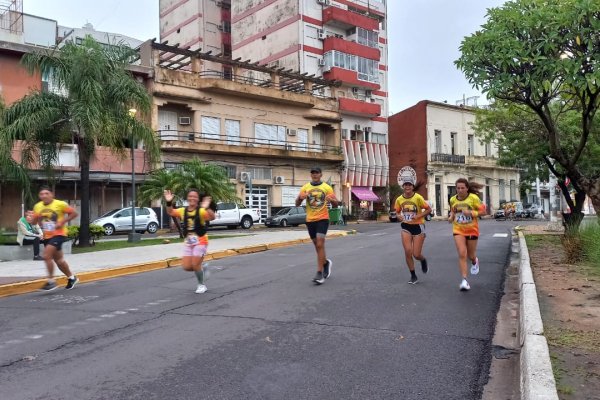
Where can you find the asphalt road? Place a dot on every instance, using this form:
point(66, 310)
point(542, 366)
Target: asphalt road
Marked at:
point(263, 330)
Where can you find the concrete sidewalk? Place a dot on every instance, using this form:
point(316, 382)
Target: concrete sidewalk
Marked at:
point(16, 272)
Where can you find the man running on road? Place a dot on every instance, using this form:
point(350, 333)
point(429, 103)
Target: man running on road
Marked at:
point(53, 215)
point(318, 195)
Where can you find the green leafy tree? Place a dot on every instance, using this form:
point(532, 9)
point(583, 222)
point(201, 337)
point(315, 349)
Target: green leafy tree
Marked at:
point(208, 178)
point(521, 140)
point(10, 170)
point(543, 55)
point(90, 108)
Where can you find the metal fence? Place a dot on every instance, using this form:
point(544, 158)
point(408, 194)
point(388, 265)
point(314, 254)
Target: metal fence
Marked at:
point(448, 158)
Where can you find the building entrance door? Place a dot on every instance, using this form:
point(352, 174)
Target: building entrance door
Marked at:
point(258, 198)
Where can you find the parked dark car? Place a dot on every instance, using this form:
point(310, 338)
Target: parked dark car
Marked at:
point(293, 216)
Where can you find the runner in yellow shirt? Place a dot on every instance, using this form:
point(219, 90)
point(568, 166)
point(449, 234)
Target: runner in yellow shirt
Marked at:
point(465, 208)
point(194, 218)
point(411, 209)
point(53, 215)
point(318, 195)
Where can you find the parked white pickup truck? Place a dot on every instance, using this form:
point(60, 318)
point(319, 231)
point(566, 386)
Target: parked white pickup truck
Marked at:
point(233, 215)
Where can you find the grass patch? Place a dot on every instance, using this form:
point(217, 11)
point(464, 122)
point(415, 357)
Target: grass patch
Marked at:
point(123, 244)
point(561, 337)
point(558, 372)
point(590, 238)
point(537, 241)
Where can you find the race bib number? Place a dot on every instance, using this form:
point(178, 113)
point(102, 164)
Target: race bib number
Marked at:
point(191, 240)
point(409, 216)
point(48, 226)
point(463, 219)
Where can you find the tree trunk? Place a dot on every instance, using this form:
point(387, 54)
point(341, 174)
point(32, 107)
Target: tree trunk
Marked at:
point(572, 220)
point(84, 225)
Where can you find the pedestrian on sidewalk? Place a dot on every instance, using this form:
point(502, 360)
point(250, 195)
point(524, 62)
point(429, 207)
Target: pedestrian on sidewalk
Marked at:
point(54, 215)
point(318, 196)
point(411, 209)
point(465, 208)
point(194, 218)
point(30, 233)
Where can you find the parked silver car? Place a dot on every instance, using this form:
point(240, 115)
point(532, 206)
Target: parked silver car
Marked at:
point(119, 220)
point(293, 216)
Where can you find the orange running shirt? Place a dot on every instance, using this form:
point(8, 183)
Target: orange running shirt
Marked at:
point(410, 207)
point(466, 225)
point(49, 214)
point(316, 202)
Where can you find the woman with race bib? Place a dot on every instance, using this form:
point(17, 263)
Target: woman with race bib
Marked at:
point(411, 209)
point(465, 208)
point(194, 218)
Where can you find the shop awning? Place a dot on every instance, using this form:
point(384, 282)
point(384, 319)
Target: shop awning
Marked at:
point(364, 193)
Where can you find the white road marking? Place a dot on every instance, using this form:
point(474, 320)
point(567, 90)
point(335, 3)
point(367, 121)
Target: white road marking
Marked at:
point(94, 319)
point(152, 304)
point(502, 235)
point(377, 234)
point(163, 301)
point(133, 309)
point(34, 337)
point(80, 323)
point(66, 327)
point(107, 316)
point(120, 312)
point(14, 341)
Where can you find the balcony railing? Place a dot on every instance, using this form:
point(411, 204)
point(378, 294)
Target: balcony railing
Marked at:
point(248, 143)
point(447, 158)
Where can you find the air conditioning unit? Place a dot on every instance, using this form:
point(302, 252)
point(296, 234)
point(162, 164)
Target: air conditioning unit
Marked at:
point(368, 93)
point(280, 180)
point(321, 62)
point(355, 90)
point(368, 129)
point(291, 132)
point(185, 121)
point(220, 27)
point(361, 146)
point(324, 2)
point(321, 34)
point(357, 127)
point(245, 177)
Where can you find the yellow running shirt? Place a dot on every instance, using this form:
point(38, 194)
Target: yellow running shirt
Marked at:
point(191, 215)
point(410, 208)
point(466, 225)
point(316, 202)
point(49, 214)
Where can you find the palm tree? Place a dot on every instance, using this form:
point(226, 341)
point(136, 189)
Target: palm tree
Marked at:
point(208, 178)
point(90, 108)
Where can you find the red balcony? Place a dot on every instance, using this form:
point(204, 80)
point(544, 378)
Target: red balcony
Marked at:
point(350, 78)
point(347, 19)
point(359, 108)
point(345, 46)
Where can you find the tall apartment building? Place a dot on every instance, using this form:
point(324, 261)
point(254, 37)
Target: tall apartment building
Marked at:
point(343, 40)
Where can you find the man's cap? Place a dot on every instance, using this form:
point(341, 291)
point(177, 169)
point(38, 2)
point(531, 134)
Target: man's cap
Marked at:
point(315, 169)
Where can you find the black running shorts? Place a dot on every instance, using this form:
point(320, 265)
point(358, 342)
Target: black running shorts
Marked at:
point(317, 228)
point(56, 241)
point(413, 229)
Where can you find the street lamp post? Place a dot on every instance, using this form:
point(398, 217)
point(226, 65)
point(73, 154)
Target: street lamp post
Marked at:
point(133, 235)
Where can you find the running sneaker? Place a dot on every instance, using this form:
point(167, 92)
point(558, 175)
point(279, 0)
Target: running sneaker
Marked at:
point(424, 266)
point(319, 279)
point(413, 280)
point(72, 282)
point(475, 267)
point(50, 285)
point(464, 285)
point(201, 289)
point(327, 268)
point(38, 258)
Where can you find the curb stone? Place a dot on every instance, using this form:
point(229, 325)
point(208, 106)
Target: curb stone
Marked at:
point(16, 288)
point(536, 376)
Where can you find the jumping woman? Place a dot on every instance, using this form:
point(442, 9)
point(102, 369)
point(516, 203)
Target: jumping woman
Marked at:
point(194, 218)
point(411, 209)
point(465, 207)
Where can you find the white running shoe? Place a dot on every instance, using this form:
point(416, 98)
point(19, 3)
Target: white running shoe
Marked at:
point(464, 285)
point(475, 267)
point(201, 289)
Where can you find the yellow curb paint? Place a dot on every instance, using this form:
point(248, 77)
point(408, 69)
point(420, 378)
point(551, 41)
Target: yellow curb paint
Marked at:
point(251, 249)
point(12, 289)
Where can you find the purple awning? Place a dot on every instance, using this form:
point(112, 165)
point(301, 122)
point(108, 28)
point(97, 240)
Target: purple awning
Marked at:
point(364, 193)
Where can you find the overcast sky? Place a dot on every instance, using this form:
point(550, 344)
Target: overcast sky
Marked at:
point(424, 36)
